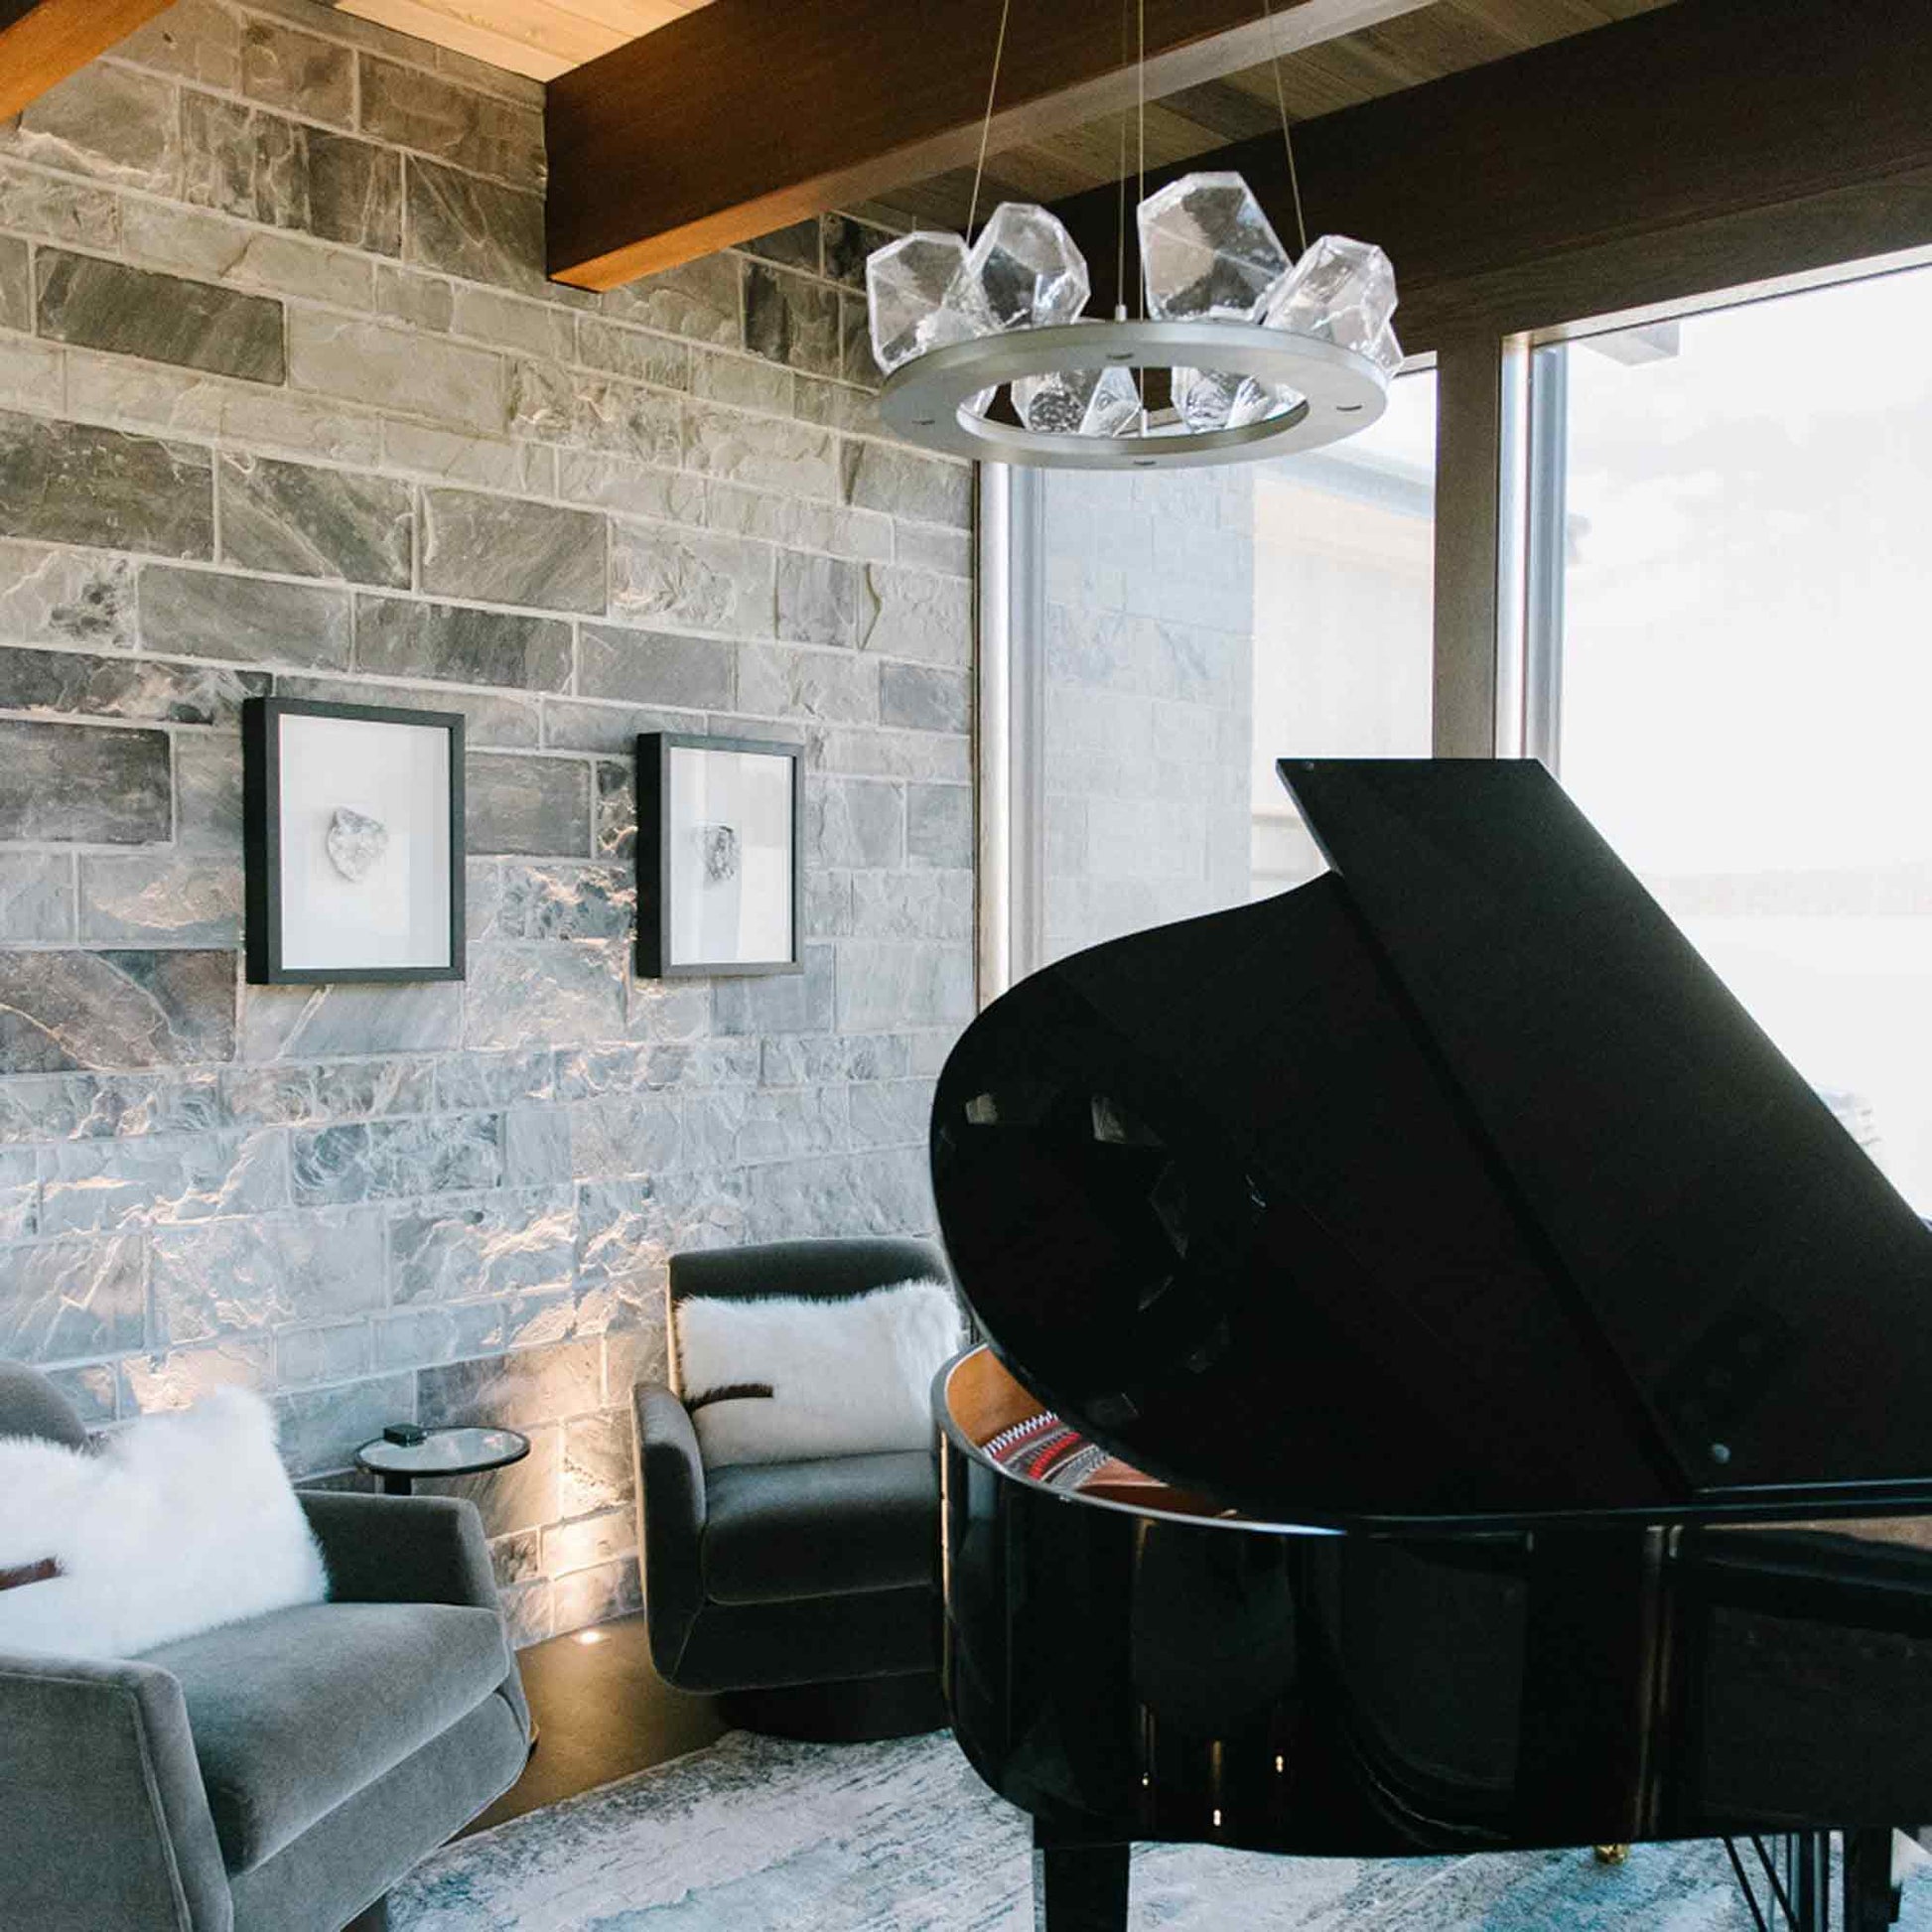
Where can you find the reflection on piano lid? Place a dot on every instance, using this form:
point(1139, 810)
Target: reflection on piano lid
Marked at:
point(1449, 1188)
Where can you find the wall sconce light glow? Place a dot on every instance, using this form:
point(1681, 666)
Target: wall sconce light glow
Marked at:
point(589, 1636)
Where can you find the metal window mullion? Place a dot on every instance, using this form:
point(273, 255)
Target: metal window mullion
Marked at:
point(1548, 550)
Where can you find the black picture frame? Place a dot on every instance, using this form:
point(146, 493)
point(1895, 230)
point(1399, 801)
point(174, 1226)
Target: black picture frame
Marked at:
point(654, 855)
point(261, 842)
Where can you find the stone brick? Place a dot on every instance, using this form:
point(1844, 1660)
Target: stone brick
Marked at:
point(36, 896)
point(853, 822)
point(195, 40)
point(760, 450)
point(243, 1277)
point(16, 285)
point(307, 76)
point(66, 1298)
point(630, 488)
point(398, 638)
point(171, 1178)
point(297, 1023)
point(321, 1428)
point(104, 121)
point(534, 328)
point(462, 224)
point(790, 320)
point(51, 208)
point(924, 700)
point(654, 667)
point(642, 356)
point(288, 175)
point(589, 1597)
point(807, 523)
point(519, 995)
point(378, 363)
point(885, 986)
point(206, 614)
point(939, 825)
point(321, 1094)
point(139, 688)
point(818, 599)
point(589, 1540)
point(662, 573)
point(743, 381)
point(778, 1002)
point(162, 899)
point(913, 614)
point(926, 546)
point(378, 1160)
point(305, 1356)
point(911, 905)
point(792, 247)
point(186, 403)
point(528, 805)
point(610, 727)
point(492, 1081)
point(528, 1389)
point(452, 457)
point(699, 300)
point(563, 901)
point(508, 1243)
point(64, 597)
point(507, 552)
point(881, 477)
point(67, 482)
point(776, 682)
point(307, 522)
point(71, 782)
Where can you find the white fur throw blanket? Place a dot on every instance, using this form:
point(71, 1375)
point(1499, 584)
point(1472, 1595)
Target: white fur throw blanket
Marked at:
point(786, 1377)
point(174, 1525)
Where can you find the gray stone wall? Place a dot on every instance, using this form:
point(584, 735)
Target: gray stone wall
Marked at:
point(1149, 699)
point(287, 405)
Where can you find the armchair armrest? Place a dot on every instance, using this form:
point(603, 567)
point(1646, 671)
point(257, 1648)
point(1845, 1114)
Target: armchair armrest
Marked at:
point(672, 1506)
point(104, 1817)
point(408, 1550)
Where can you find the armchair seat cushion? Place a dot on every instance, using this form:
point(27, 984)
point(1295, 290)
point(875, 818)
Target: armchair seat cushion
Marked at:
point(294, 1713)
point(779, 1531)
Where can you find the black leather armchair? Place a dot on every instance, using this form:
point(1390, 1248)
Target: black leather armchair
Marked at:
point(805, 1594)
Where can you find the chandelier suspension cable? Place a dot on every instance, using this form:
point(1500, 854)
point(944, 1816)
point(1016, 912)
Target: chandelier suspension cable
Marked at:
point(1139, 85)
point(986, 124)
point(1288, 139)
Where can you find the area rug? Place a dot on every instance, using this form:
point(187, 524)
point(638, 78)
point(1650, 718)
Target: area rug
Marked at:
point(754, 1835)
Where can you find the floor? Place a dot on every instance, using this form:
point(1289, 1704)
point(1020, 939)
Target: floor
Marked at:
point(601, 1712)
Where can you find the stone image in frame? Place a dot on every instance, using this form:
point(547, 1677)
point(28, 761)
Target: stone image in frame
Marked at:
point(719, 856)
point(353, 836)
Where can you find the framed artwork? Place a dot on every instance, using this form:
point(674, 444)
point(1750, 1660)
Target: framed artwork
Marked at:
point(720, 855)
point(353, 836)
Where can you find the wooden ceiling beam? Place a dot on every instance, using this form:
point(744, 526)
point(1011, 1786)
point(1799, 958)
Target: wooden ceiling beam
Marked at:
point(1702, 146)
point(751, 114)
point(42, 41)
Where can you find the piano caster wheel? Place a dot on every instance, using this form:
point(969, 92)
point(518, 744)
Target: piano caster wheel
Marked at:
point(1612, 1854)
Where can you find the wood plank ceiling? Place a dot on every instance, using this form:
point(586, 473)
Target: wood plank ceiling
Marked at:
point(1441, 38)
point(546, 37)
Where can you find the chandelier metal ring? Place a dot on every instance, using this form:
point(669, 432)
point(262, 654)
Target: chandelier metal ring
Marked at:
point(1343, 393)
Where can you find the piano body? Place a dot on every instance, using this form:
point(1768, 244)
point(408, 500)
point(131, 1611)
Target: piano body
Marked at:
point(1449, 1385)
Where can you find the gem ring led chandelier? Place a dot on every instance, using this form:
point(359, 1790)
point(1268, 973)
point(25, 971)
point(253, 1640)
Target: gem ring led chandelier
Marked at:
point(1265, 355)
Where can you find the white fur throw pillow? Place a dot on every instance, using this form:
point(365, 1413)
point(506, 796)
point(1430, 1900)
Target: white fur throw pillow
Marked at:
point(788, 1377)
point(174, 1525)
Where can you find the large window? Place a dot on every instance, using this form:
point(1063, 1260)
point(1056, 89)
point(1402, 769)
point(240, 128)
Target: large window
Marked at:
point(1198, 625)
point(1740, 636)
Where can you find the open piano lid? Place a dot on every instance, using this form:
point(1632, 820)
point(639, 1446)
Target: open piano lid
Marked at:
point(1452, 1187)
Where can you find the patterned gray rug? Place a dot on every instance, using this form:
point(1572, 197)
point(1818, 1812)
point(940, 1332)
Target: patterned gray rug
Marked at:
point(759, 1836)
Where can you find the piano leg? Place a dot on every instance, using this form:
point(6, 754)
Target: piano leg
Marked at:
point(1872, 1900)
point(1078, 1885)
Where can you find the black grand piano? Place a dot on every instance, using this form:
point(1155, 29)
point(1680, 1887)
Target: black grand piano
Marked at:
point(1449, 1385)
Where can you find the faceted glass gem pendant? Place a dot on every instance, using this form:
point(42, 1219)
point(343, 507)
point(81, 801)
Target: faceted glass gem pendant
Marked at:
point(905, 291)
point(1204, 399)
point(1024, 272)
point(1113, 407)
point(1207, 250)
point(1342, 291)
point(1055, 405)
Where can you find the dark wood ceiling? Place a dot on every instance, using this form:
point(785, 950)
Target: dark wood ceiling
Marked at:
point(1442, 38)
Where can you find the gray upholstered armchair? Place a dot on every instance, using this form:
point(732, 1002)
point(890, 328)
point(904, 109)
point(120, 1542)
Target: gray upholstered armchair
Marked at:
point(282, 1772)
point(805, 1593)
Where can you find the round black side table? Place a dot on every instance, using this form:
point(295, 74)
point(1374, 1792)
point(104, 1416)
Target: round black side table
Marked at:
point(441, 1452)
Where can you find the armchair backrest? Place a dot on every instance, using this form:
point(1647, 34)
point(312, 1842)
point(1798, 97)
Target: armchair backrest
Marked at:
point(827, 1269)
point(30, 1405)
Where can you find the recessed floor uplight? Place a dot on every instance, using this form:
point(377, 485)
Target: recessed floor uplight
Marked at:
point(589, 1636)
